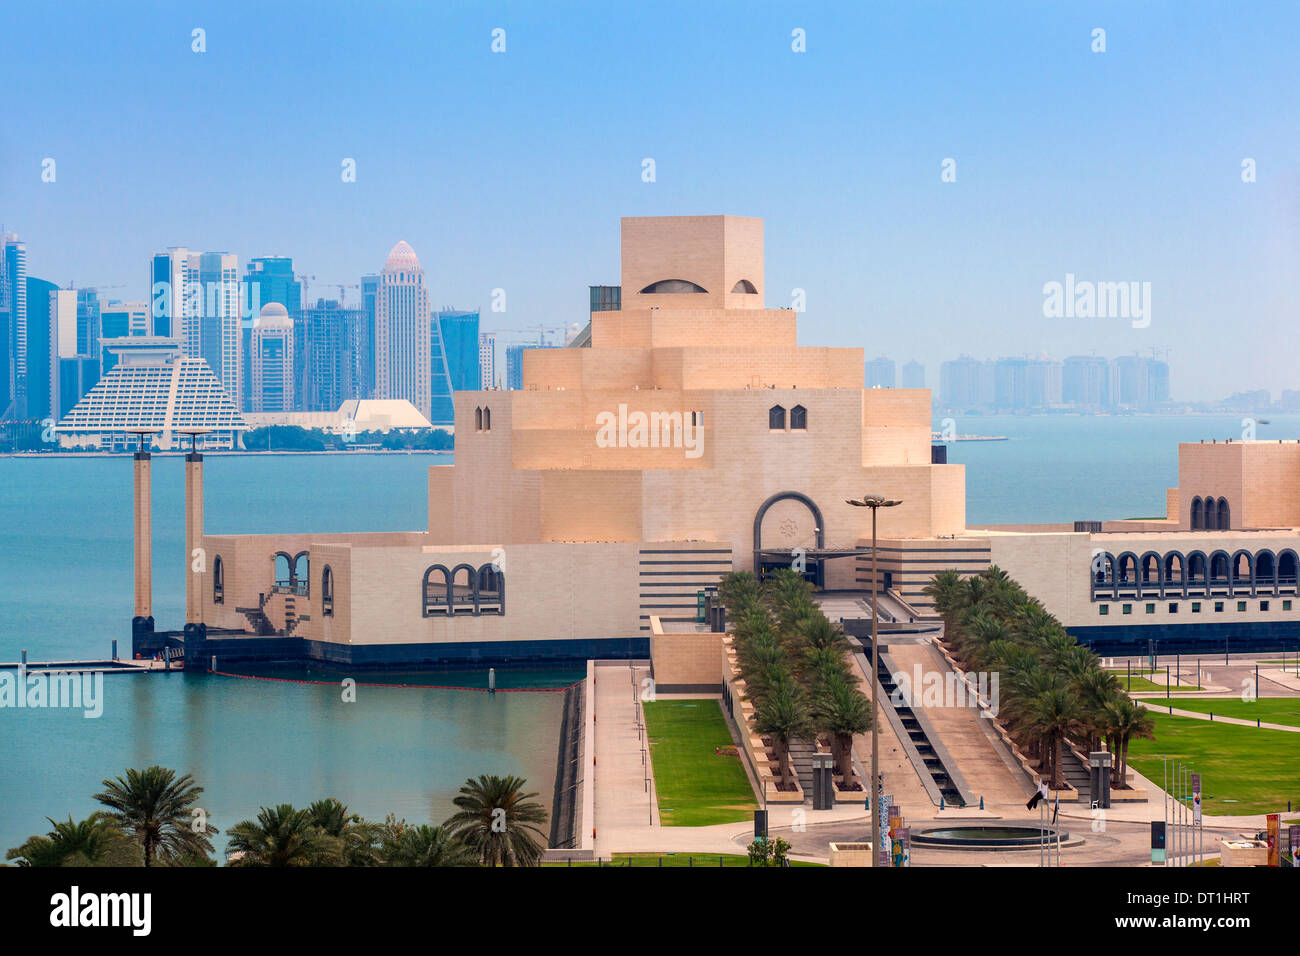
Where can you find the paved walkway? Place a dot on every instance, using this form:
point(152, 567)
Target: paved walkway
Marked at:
point(966, 735)
point(623, 798)
point(1218, 718)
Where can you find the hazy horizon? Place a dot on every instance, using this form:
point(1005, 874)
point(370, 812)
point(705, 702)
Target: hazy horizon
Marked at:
point(511, 170)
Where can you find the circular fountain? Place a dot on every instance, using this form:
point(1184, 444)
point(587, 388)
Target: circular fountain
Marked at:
point(987, 837)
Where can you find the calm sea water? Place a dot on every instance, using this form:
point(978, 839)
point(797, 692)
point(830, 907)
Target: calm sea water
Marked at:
point(1058, 468)
point(66, 591)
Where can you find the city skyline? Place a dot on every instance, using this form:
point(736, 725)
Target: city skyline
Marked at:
point(1016, 98)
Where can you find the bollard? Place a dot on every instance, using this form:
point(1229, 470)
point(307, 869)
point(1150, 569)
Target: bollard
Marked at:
point(213, 668)
point(24, 658)
point(940, 801)
point(492, 680)
point(115, 648)
point(981, 802)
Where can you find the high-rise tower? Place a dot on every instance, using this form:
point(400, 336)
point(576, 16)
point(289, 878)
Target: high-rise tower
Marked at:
point(402, 330)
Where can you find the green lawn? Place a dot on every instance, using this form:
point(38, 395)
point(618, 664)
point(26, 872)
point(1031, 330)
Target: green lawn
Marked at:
point(1143, 685)
point(696, 786)
point(1245, 770)
point(1271, 710)
point(678, 859)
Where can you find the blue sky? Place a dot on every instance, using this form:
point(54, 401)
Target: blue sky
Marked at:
point(511, 170)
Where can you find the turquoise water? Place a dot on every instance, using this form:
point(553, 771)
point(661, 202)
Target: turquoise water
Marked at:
point(1059, 468)
point(66, 591)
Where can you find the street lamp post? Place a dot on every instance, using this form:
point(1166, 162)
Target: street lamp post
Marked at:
point(875, 503)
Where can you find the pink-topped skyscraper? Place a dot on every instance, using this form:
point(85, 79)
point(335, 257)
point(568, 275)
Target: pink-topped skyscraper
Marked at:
point(402, 330)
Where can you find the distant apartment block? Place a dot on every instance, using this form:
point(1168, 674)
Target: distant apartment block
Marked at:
point(487, 359)
point(881, 373)
point(1081, 381)
point(329, 355)
point(914, 375)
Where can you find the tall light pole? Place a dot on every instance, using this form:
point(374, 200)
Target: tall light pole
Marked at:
point(875, 503)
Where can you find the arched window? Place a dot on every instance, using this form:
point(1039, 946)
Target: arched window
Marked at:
point(300, 574)
point(1219, 570)
point(1225, 515)
point(1197, 571)
point(671, 287)
point(1209, 521)
point(798, 418)
point(1286, 570)
point(491, 590)
point(1266, 571)
point(1127, 568)
point(218, 580)
point(487, 419)
point(478, 419)
point(1198, 521)
point(1242, 565)
point(463, 593)
point(1175, 569)
point(744, 286)
point(1103, 572)
point(327, 591)
point(776, 418)
point(1149, 573)
point(435, 591)
point(283, 565)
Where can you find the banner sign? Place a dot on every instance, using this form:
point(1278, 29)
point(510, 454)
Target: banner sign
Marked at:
point(1274, 849)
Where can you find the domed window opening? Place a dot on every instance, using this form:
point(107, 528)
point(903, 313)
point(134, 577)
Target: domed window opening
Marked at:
point(672, 287)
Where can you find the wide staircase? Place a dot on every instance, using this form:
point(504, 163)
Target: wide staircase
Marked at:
point(933, 763)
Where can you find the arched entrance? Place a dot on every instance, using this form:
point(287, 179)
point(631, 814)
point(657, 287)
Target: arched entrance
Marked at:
point(793, 524)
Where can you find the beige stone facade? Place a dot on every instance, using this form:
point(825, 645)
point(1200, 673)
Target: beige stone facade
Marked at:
point(626, 476)
point(623, 477)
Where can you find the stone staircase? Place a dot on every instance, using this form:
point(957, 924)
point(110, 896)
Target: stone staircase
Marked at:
point(1076, 774)
point(801, 754)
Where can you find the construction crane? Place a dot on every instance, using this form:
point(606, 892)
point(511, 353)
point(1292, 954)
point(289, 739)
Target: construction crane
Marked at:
point(541, 330)
point(72, 285)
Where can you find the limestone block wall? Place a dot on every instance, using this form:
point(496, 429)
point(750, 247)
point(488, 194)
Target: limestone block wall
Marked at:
point(684, 660)
point(552, 591)
point(712, 251)
point(690, 325)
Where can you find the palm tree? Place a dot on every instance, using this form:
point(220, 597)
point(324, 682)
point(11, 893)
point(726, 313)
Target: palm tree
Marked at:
point(1096, 689)
point(356, 837)
point(283, 836)
point(946, 590)
point(1054, 714)
point(160, 810)
point(1126, 719)
point(783, 715)
point(841, 711)
point(499, 822)
point(423, 846)
point(817, 632)
point(95, 841)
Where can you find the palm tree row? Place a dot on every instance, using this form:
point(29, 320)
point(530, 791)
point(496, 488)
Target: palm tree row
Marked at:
point(794, 663)
point(1051, 688)
point(153, 818)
